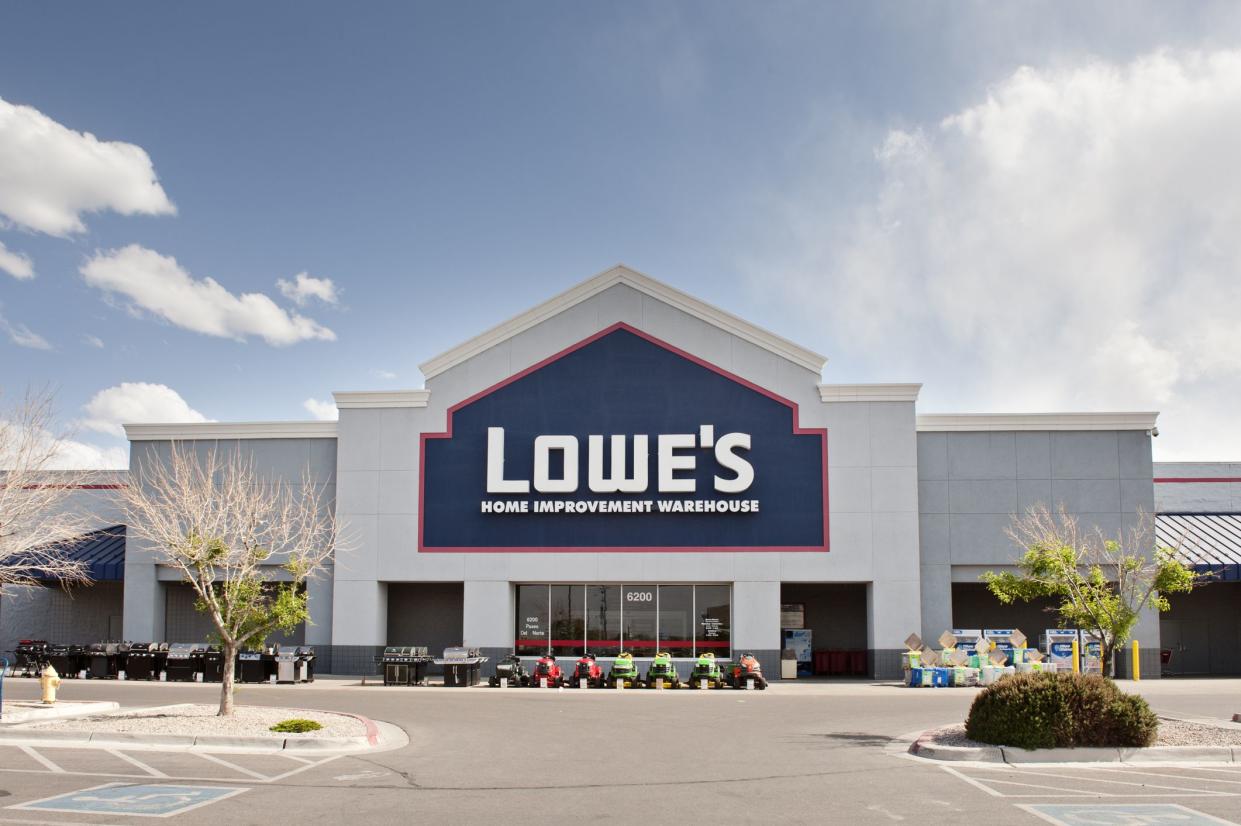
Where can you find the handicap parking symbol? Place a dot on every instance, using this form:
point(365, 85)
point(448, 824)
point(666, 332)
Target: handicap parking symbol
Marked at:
point(128, 799)
point(1121, 814)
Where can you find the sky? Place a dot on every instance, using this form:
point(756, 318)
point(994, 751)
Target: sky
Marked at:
point(228, 211)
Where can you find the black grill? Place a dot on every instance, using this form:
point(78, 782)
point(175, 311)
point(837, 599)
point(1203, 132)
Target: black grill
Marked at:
point(31, 657)
point(404, 664)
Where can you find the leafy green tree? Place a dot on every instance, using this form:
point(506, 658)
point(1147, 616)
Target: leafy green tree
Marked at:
point(245, 542)
point(1103, 585)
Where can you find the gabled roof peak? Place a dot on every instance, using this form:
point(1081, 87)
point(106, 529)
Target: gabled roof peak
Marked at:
point(621, 274)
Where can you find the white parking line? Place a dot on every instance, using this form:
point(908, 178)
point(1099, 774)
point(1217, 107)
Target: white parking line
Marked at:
point(1087, 778)
point(48, 764)
point(976, 784)
point(136, 762)
point(235, 767)
point(304, 768)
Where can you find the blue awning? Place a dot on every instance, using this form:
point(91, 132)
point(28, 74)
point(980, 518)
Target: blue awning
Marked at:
point(1209, 543)
point(101, 551)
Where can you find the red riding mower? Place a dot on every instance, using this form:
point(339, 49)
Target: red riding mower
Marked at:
point(546, 669)
point(586, 669)
point(746, 669)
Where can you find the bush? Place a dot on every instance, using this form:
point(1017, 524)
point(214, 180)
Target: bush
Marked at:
point(1043, 711)
point(296, 726)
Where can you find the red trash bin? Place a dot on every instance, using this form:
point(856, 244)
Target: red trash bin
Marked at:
point(857, 662)
point(820, 662)
point(837, 662)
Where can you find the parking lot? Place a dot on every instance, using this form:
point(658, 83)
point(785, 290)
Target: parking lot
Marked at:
point(807, 753)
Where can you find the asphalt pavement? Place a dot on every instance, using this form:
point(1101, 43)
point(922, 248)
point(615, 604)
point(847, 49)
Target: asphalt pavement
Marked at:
point(802, 753)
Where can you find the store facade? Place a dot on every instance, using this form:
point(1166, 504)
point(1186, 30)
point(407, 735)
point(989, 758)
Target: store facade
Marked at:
point(627, 467)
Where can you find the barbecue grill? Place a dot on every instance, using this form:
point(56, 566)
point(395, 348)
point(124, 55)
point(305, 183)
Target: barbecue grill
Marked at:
point(461, 665)
point(31, 657)
point(213, 664)
point(103, 660)
point(184, 660)
point(68, 660)
point(305, 664)
point(404, 664)
point(255, 666)
point(145, 660)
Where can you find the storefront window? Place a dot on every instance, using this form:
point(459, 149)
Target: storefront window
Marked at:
point(676, 620)
point(639, 615)
point(568, 620)
point(603, 620)
point(532, 620)
point(713, 611)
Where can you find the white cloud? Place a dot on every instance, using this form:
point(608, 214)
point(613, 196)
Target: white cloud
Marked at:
point(74, 455)
point(158, 284)
point(136, 402)
point(304, 287)
point(50, 175)
point(387, 375)
point(93, 341)
point(324, 411)
point(1070, 242)
point(15, 263)
point(23, 336)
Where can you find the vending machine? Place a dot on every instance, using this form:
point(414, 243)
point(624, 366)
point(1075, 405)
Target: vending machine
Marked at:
point(1057, 644)
point(1092, 653)
point(967, 639)
point(1001, 640)
point(798, 640)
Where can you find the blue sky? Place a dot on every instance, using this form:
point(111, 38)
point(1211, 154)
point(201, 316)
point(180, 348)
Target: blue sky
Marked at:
point(1026, 207)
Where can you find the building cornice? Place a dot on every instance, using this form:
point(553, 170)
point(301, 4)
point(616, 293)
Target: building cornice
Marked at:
point(193, 431)
point(869, 392)
point(1035, 421)
point(366, 399)
point(621, 274)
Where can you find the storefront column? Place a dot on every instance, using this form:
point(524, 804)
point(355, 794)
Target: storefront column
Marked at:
point(359, 625)
point(488, 620)
point(142, 615)
point(895, 612)
point(756, 623)
point(319, 628)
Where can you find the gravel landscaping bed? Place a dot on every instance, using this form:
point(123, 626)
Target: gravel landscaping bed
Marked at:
point(1171, 733)
point(200, 719)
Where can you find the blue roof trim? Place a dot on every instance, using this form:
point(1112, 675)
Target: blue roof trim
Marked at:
point(101, 551)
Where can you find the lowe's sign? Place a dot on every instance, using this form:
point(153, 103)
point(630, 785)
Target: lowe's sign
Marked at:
point(624, 443)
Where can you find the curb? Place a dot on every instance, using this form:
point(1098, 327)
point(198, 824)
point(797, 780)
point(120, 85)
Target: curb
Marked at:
point(1015, 756)
point(207, 741)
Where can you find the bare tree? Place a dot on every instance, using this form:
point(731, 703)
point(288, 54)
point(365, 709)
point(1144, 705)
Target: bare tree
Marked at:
point(227, 528)
point(1102, 584)
point(36, 517)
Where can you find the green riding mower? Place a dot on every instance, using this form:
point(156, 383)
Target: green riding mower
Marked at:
point(624, 672)
point(706, 668)
point(662, 669)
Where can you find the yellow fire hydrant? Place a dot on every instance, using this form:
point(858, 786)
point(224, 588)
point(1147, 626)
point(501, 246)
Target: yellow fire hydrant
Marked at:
point(49, 681)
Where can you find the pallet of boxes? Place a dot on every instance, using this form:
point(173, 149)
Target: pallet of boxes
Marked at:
point(962, 662)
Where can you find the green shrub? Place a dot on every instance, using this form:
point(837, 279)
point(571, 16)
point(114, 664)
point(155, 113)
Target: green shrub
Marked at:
point(1044, 711)
point(296, 726)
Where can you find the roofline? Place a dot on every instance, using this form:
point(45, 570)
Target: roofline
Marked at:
point(937, 422)
point(620, 274)
point(192, 431)
point(365, 399)
point(869, 392)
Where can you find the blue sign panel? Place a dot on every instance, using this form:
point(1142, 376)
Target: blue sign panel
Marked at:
point(126, 799)
point(623, 442)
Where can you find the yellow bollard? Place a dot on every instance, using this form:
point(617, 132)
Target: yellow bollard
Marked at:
point(1137, 670)
point(49, 682)
point(1077, 660)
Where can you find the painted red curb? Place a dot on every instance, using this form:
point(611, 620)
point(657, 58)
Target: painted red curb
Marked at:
point(372, 730)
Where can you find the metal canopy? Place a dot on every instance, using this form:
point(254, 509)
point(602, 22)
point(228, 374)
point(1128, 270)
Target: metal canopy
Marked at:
point(1210, 543)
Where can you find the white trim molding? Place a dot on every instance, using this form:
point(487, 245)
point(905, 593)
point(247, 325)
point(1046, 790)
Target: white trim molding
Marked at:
point(1036, 421)
point(368, 399)
point(621, 274)
point(869, 392)
point(192, 431)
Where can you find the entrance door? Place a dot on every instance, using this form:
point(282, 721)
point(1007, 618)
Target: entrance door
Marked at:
point(1190, 645)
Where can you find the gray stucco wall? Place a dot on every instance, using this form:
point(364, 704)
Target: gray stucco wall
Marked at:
point(971, 484)
point(146, 608)
point(1185, 487)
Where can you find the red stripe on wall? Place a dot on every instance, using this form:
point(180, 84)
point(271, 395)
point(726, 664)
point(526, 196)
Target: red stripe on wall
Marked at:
point(1183, 480)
